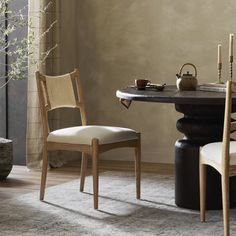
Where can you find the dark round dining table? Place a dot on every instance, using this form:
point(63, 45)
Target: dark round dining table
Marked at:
point(202, 123)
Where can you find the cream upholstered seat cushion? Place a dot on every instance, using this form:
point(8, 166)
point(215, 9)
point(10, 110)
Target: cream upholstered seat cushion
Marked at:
point(213, 152)
point(85, 134)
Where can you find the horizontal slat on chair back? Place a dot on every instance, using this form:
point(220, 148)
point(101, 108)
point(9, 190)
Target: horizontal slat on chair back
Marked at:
point(60, 91)
point(233, 87)
point(233, 126)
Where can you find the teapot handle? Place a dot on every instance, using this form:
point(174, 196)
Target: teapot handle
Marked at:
point(189, 64)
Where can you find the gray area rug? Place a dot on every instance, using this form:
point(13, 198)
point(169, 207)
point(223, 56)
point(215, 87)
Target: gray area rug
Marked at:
point(66, 211)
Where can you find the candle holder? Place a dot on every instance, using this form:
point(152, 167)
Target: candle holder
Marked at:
point(219, 67)
point(231, 67)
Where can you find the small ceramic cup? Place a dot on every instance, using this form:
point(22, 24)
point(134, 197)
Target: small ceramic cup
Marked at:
point(142, 83)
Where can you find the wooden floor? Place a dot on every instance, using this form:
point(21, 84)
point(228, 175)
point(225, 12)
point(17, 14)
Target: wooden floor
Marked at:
point(21, 180)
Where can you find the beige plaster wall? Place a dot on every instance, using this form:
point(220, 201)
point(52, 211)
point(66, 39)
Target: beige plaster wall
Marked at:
point(118, 41)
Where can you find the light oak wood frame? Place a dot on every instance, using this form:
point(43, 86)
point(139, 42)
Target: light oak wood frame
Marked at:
point(225, 169)
point(92, 150)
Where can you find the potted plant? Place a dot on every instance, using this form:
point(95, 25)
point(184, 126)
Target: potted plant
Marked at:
point(13, 63)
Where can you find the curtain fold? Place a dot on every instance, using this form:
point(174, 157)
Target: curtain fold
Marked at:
point(44, 16)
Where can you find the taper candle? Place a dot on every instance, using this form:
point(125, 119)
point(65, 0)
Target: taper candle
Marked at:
point(231, 39)
point(219, 53)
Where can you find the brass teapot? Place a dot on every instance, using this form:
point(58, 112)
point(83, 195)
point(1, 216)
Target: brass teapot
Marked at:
point(186, 82)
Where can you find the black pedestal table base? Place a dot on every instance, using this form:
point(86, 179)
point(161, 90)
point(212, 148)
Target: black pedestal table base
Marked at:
point(201, 124)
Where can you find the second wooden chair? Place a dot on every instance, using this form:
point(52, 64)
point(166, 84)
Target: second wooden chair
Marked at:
point(221, 156)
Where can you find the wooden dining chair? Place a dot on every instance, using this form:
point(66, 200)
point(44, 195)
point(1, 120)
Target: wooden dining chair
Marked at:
point(66, 91)
point(221, 156)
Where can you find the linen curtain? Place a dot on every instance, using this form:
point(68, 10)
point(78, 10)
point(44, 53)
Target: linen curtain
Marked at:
point(44, 16)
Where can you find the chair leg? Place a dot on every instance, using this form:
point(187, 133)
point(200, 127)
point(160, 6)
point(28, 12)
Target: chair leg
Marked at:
point(138, 167)
point(95, 172)
point(83, 171)
point(44, 174)
point(225, 200)
point(202, 182)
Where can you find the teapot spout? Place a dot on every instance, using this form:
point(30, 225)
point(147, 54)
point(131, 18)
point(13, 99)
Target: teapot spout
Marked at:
point(177, 76)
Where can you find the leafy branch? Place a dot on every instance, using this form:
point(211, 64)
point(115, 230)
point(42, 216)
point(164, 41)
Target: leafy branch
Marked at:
point(15, 45)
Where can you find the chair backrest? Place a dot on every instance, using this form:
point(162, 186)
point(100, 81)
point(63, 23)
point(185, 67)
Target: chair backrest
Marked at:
point(57, 92)
point(229, 125)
